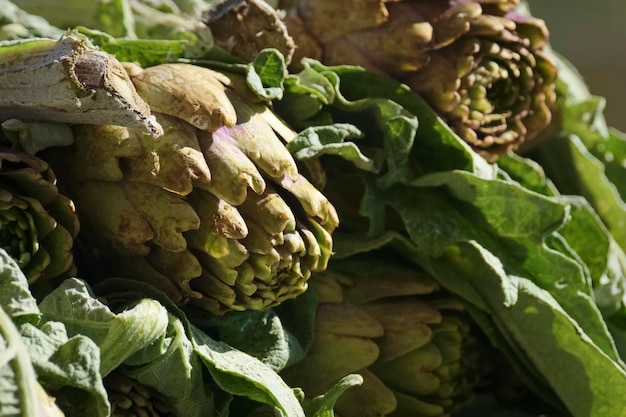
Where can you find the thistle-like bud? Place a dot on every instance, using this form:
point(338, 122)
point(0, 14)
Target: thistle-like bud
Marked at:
point(393, 325)
point(214, 211)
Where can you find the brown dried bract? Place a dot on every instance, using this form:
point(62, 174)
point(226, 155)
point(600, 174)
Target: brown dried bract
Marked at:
point(246, 27)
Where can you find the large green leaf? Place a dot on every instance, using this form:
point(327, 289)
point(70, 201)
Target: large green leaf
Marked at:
point(15, 297)
point(69, 368)
point(65, 366)
point(507, 220)
point(583, 376)
point(434, 194)
point(277, 337)
point(241, 374)
point(20, 392)
point(117, 335)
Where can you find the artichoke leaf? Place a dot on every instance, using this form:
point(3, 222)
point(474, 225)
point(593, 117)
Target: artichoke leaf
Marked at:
point(140, 269)
point(115, 216)
point(407, 326)
point(34, 137)
point(180, 267)
point(173, 161)
point(63, 210)
point(69, 81)
point(220, 218)
point(331, 357)
point(232, 172)
point(100, 148)
point(257, 139)
point(189, 92)
point(34, 178)
point(151, 202)
point(414, 372)
point(221, 224)
point(371, 398)
point(348, 320)
point(312, 200)
point(269, 211)
point(61, 258)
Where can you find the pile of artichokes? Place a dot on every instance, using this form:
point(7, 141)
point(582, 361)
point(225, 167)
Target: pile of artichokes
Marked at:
point(202, 197)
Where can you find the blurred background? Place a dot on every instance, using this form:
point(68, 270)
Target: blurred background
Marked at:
point(592, 35)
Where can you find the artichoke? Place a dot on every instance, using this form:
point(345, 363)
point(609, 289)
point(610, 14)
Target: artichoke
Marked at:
point(390, 323)
point(214, 212)
point(37, 223)
point(479, 63)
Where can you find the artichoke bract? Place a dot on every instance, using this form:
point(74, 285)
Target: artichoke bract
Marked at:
point(214, 211)
point(480, 64)
point(37, 222)
point(391, 324)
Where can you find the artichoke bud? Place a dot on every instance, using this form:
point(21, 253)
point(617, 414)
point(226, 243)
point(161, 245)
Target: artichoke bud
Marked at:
point(215, 206)
point(38, 224)
point(479, 64)
point(422, 363)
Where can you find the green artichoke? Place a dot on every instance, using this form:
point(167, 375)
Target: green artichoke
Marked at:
point(213, 212)
point(37, 223)
point(390, 323)
point(479, 63)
